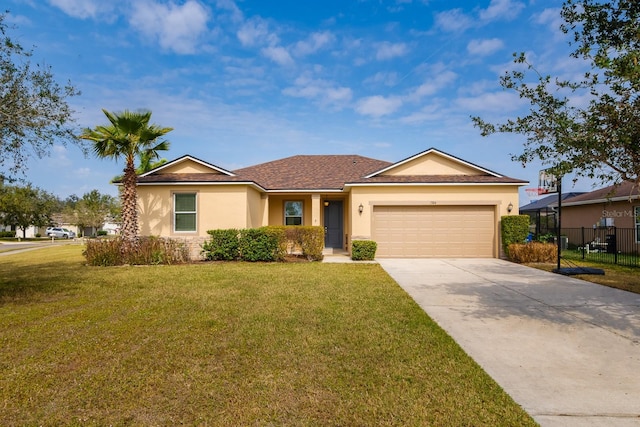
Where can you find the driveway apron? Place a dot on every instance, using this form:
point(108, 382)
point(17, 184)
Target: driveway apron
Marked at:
point(566, 350)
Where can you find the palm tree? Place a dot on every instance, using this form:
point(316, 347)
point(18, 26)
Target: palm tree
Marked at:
point(129, 135)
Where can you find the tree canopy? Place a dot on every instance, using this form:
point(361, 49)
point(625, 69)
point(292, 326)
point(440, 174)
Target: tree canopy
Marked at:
point(599, 139)
point(34, 112)
point(24, 206)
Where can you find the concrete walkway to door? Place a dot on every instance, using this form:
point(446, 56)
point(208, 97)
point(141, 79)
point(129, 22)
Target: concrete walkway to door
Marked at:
point(566, 350)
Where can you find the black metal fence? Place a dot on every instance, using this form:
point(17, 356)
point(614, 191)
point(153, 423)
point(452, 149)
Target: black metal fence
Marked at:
point(610, 245)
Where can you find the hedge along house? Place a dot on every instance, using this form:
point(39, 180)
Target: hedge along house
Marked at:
point(431, 204)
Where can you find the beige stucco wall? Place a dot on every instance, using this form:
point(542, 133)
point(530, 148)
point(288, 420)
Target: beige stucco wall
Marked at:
point(187, 166)
point(432, 164)
point(218, 206)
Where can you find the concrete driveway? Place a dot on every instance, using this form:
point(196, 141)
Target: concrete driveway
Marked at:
point(566, 350)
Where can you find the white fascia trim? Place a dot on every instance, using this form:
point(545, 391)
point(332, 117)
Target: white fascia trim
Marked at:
point(437, 184)
point(206, 183)
point(433, 150)
point(332, 190)
point(193, 159)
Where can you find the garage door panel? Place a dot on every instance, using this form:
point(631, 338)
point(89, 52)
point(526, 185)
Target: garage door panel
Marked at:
point(434, 231)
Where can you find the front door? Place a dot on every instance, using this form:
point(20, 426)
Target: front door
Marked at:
point(333, 225)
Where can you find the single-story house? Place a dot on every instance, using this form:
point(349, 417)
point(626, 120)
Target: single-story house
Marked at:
point(431, 204)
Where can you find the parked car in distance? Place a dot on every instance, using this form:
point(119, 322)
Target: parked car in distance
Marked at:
point(61, 233)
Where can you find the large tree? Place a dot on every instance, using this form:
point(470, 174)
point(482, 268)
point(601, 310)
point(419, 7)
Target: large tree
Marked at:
point(127, 136)
point(599, 139)
point(34, 113)
point(92, 210)
point(24, 206)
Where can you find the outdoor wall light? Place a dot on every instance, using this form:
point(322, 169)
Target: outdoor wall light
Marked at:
point(360, 208)
point(510, 207)
point(326, 203)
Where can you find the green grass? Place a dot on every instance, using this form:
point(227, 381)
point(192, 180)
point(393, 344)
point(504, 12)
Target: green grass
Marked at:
point(302, 344)
point(615, 276)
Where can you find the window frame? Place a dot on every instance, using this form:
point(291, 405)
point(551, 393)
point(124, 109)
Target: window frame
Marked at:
point(301, 216)
point(176, 213)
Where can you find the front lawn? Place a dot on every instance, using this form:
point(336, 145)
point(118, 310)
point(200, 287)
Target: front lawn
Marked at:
point(222, 344)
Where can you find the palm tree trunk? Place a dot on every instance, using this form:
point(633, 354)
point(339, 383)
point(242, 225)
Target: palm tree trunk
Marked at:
point(129, 202)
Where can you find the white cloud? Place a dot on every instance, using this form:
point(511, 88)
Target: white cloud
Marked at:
point(323, 92)
point(388, 50)
point(501, 9)
point(484, 47)
point(492, 101)
point(385, 78)
point(431, 86)
point(454, 20)
point(314, 43)
point(83, 8)
point(552, 19)
point(278, 54)
point(175, 27)
point(378, 106)
point(82, 172)
point(255, 31)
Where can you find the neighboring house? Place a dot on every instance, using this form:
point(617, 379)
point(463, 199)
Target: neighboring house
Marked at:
point(617, 206)
point(543, 213)
point(429, 205)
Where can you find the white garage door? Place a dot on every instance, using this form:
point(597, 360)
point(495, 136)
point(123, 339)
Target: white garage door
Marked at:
point(434, 231)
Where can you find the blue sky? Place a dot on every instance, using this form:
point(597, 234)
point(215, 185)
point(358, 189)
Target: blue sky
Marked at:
point(245, 82)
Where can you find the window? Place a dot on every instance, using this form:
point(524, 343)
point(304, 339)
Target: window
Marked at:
point(184, 207)
point(292, 213)
point(636, 212)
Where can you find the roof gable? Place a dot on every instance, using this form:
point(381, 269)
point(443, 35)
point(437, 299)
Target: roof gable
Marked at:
point(187, 165)
point(432, 162)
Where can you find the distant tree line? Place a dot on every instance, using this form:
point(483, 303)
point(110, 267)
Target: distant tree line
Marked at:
point(25, 206)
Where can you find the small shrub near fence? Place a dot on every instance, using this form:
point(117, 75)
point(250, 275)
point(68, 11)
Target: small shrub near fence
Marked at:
point(142, 251)
point(363, 250)
point(533, 252)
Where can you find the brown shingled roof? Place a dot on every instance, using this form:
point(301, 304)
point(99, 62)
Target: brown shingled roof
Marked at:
point(189, 177)
point(437, 179)
point(320, 172)
point(625, 189)
point(311, 172)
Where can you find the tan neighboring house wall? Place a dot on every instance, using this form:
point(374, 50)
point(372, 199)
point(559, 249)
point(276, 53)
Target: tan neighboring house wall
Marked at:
point(619, 214)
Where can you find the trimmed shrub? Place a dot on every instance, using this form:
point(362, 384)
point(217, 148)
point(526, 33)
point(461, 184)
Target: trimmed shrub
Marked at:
point(363, 250)
point(223, 245)
point(102, 233)
point(524, 253)
point(142, 251)
point(261, 244)
point(311, 240)
point(515, 229)
point(5, 234)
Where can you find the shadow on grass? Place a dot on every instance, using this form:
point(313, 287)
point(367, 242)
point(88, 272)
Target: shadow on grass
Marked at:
point(23, 283)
